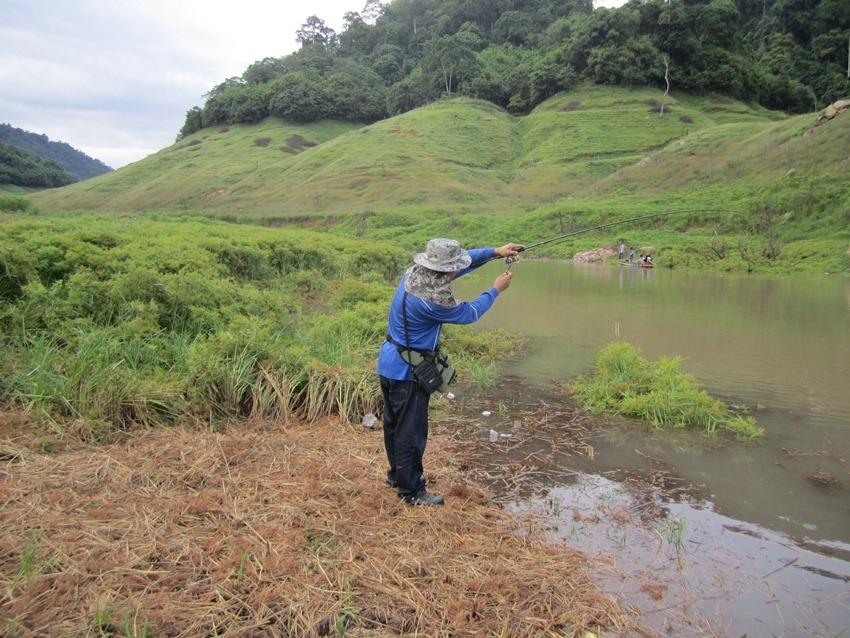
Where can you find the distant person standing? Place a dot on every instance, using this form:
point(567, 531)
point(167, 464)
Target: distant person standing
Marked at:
point(632, 256)
point(622, 249)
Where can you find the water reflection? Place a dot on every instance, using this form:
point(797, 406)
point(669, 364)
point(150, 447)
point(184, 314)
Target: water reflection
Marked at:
point(689, 568)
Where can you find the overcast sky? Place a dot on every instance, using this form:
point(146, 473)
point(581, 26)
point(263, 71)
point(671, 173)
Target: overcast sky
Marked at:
point(114, 78)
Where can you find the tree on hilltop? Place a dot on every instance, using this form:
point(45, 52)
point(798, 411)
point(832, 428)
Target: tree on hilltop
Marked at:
point(194, 122)
point(450, 54)
point(315, 32)
point(372, 10)
point(264, 71)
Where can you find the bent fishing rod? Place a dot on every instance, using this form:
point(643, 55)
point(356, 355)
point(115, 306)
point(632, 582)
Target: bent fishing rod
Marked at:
point(511, 260)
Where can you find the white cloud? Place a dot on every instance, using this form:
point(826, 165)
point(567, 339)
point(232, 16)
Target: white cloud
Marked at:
point(115, 79)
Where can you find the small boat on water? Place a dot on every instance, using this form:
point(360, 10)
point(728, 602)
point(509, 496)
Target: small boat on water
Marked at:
point(639, 264)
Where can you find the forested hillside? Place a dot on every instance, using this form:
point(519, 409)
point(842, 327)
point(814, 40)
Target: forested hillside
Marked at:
point(77, 163)
point(784, 54)
point(22, 168)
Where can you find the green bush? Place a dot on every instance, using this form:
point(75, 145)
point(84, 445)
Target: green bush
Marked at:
point(110, 323)
point(15, 204)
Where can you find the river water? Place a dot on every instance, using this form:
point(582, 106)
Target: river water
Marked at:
point(777, 344)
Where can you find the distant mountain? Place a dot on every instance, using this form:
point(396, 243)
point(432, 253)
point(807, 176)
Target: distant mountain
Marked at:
point(23, 168)
point(75, 162)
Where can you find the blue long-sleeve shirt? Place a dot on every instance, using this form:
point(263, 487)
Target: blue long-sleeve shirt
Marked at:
point(426, 318)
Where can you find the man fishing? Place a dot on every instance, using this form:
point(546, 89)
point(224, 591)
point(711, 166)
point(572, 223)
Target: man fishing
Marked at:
point(423, 302)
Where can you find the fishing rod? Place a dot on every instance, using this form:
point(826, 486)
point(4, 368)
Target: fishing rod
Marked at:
point(511, 260)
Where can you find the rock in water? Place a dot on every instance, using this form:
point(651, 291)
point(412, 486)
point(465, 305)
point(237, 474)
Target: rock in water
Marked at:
point(592, 256)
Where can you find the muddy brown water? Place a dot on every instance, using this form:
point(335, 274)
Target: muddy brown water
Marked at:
point(779, 344)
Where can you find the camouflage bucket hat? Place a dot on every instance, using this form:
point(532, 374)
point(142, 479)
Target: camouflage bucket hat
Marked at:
point(443, 255)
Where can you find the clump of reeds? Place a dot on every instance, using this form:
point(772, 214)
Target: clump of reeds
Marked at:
point(625, 382)
point(266, 530)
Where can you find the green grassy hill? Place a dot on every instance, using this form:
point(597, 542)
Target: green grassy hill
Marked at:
point(460, 154)
point(203, 171)
point(467, 169)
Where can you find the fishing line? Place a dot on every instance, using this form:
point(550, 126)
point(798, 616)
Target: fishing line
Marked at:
point(553, 240)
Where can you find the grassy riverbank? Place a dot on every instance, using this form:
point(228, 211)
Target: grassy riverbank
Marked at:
point(725, 240)
point(109, 322)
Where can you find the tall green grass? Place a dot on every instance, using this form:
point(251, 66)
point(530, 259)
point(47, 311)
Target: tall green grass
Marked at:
point(112, 323)
point(13, 203)
point(119, 322)
point(625, 382)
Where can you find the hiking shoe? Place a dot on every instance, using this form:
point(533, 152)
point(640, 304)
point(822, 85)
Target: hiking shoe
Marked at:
point(424, 498)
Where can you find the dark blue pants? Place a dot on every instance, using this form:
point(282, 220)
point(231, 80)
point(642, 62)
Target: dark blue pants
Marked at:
point(405, 433)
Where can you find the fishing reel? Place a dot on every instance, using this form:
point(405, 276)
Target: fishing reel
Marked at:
point(511, 260)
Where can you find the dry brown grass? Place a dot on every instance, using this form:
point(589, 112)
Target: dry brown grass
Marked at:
point(266, 530)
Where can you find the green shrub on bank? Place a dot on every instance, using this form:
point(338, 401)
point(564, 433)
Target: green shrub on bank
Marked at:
point(625, 382)
point(120, 322)
point(15, 204)
point(111, 322)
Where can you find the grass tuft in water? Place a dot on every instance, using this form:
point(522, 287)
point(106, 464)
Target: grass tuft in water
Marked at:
point(627, 383)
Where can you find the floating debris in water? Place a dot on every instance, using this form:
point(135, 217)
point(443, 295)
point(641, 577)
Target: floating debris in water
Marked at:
point(823, 478)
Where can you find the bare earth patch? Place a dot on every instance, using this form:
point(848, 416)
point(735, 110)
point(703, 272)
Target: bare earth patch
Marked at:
point(266, 530)
point(296, 143)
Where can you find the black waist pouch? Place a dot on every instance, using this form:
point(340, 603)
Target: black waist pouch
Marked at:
point(428, 375)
